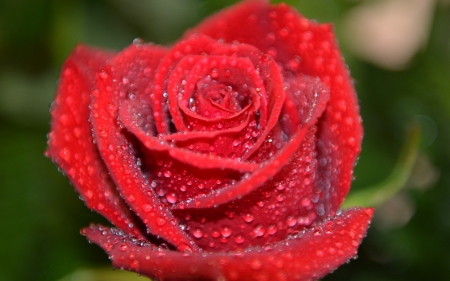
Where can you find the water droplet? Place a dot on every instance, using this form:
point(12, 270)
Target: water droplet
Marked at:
point(248, 217)
point(256, 264)
point(214, 73)
point(103, 74)
point(65, 154)
point(172, 198)
point(281, 186)
point(272, 52)
point(291, 221)
point(198, 233)
point(147, 208)
point(271, 229)
point(167, 173)
point(320, 210)
point(280, 197)
point(351, 141)
point(306, 36)
point(284, 32)
point(270, 37)
point(239, 239)
point(64, 119)
point(89, 194)
point(123, 247)
point(226, 231)
point(306, 202)
point(259, 230)
point(161, 221)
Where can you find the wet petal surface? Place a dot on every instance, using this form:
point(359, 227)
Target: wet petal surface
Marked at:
point(71, 145)
point(307, 256)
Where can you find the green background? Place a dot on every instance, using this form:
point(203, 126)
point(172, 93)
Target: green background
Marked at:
point(41, 215)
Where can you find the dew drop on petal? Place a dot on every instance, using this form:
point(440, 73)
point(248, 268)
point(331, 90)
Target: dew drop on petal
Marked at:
point(226, 231)
point(271, 229)
point(65, 154)
point(239, 239)
point(248, 217)
point(215, 233)
point(123, 247)
point(214, 73)
point(198, 233)
point(89, 194)
point(172, 198)
point(259, 230)
point(147, 208)
point(291, 221)
point(161, 221)
point(167, 173)
point(255, 264)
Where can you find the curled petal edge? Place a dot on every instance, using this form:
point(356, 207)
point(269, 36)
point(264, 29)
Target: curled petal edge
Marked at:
point(128, 116)
point(309, 255)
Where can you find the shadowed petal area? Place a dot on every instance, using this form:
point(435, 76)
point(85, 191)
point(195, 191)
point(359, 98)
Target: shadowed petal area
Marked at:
point(307, 256)
point(70, 143)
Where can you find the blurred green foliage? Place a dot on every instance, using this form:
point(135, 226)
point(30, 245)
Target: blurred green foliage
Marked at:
point(40, 214)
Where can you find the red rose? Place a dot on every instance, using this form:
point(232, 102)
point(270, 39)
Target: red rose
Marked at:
point(225, 156)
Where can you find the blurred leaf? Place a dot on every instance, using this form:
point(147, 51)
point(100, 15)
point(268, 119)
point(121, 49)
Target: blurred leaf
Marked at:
point(25, 99)
point(375, 195)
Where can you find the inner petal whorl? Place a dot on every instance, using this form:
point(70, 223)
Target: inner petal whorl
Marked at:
point(215, 100)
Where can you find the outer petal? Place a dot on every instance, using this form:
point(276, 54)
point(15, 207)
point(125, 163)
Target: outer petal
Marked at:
point(70, 142)
point(303, 46)
point(127, 77)
point(308, 256)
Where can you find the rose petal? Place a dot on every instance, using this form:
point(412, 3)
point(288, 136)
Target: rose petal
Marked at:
point(128, 116)
point(311, 255)
point(301, 94)
point(274, 87)
point(183, 86)
point(254, 55)
point(303, 46)
point(70, 142)
point(193, 45)
point(133, 72)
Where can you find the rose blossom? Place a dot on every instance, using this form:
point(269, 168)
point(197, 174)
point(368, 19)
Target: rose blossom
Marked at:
point(225, 156)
